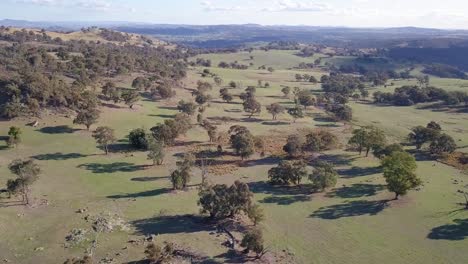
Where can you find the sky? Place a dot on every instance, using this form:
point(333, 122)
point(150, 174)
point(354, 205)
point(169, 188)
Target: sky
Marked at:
point(451, 14)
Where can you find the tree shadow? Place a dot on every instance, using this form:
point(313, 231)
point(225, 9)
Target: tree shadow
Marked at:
point(275, 123)
point(285, 200)
point(350, 209)
point(324, 119)
point(148, 179)
point(420, 155)
point(140, 194)
point(456, 231)
point(113, 106)
point(174, 224)
point(163, 116)
point(357, 190)
point(168, 108)
point(234, 257)
point(359, 171)
point(111, 167)
point(337, 159)
point(267, 188)
point(59, 156)
point(123, 146)
point(327, 125)
point(260, 162)
point(58, 130)
point(251, 120)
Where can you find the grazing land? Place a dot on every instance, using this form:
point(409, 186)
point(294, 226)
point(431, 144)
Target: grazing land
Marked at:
point(355, 221)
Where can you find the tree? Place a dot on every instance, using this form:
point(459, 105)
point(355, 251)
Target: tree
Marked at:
point(294, 145)
point(287, 172)
point(359, 139)
point(275, 109)
point(225, 95)
point(420, 135)
point(218, 81)
point(188, 108)
point(27, 172)
point(385, 151)
point(221, 201)
point(305, 99)
point(270, 69)
point(111, 91)
point(130, 97)
point(434, 125)
point(252, 106)
point(298, 77)
point(104, 136)
point(138, 139)
point(286, 91)
point(156, 152)
point(242, 141)
point(87, 117)
point(255, 214)
point(181, 176)
point(399, 172)
point(367, 138)
point(253, 241)
point(14, 136)
point(164, 133)
point(442, 144)
point(320, 140)
point(323, 176)
point(202, 98)
point(341, 112)
point(210, 129)
point(156, 254)
point(296, 113)
point(141, 83)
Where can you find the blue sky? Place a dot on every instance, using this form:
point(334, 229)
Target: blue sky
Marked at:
point(356, 13)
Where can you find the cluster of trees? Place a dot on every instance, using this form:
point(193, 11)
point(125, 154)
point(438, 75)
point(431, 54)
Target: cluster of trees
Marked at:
point(27, 172)
point(341, 84)
point(282, 45)
point(23, 35)
point(292, 172)
point(306, 52)
point(314, 141)
point(167, 132)
point(410, 95)
point(367, 139)
point(444, 71)
point(201, 62)
point(221, 202)
point(33, 79)
point(112, 35)
point(439, 143)
point(233, 65)
point(250, 103)
point(226, 95)
point(243, 142)
point(306, 77)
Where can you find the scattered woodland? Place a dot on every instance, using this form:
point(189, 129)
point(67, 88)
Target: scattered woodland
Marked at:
point(120, 148)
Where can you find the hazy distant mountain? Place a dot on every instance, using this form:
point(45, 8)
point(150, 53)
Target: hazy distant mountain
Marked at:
point(236, 35)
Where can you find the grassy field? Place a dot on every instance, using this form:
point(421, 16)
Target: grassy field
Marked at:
point(348, 224)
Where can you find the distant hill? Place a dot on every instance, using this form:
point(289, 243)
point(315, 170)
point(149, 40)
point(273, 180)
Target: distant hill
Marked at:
point(235, 35)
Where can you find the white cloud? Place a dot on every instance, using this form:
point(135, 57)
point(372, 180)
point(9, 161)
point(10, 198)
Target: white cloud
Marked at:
point(91, 5)
point(209, 6)
point(298, 6)
point(40, 2)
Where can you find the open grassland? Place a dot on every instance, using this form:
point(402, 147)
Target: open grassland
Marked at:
point(348, 224)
